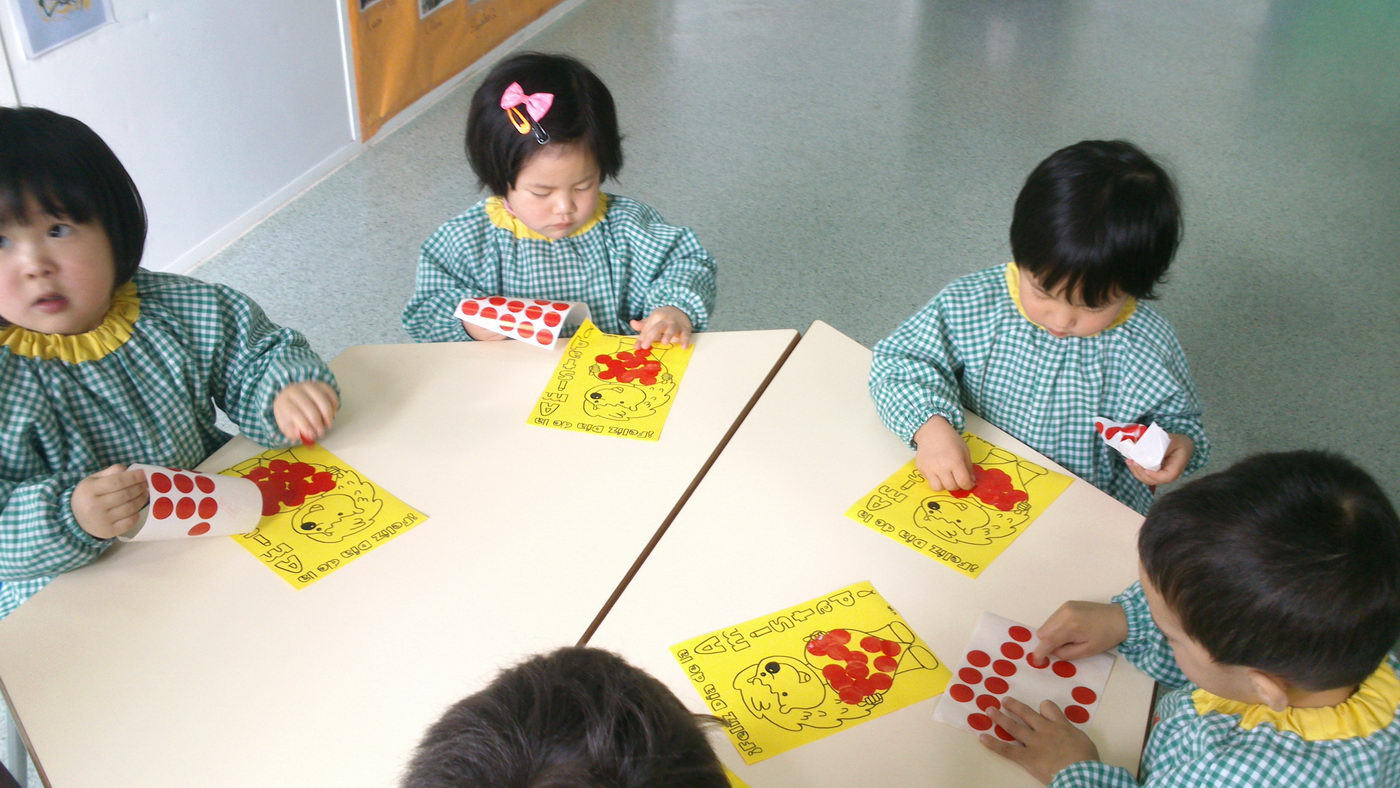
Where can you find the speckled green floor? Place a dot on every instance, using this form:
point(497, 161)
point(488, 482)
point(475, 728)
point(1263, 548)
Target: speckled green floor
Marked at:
point(843, 161)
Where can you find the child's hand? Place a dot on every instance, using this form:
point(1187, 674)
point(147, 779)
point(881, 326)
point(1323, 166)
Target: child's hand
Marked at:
point(305, 410)
point(105, 504)
point(1081, 629)
point(665, 324)
point(1179, 451)
point(1048, 741)
point(481, 334)
point(942, 456)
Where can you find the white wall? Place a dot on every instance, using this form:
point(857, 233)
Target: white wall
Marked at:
point(222, 110)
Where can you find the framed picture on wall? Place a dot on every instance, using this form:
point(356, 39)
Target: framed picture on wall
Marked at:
point(48, 24)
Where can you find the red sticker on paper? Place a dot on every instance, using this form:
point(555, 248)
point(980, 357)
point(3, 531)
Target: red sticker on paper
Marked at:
point(204, 483)
point(970, 675)
point(1064, 669)
point(979, 722)
point(208, 508)
point(1019, 634)
point(185, 508)
point(997, 684)
point(1083, 695)
point(1077, 714)
point(979, 658)
point(199, 530)
point(1012, 651)
point(960, 693)
point(160, 482)
point(162, 508)
point(183, 483)
point(470, 308)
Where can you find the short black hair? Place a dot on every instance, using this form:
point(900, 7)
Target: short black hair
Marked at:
point(1287, 563)
point(62, 165)
point(1099, 217)
point(573, 718)
point(583, 114)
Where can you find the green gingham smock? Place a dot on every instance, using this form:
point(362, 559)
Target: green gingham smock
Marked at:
point(141, 387)
point(973, 347)
point(624, 263)
point(1202, 739)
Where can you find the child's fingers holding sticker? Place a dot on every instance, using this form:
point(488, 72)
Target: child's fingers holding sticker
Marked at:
point(1047, 741)
point(1081, 629)
point(305, 410)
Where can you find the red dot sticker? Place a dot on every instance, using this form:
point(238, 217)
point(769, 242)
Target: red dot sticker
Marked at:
point(979, 722)
point(185, 508)
point(1012, 650)
point(838, 651)
point(1077, 714)
point(960, 693)
point(887, 664)
point(545, 337)
point(1064, 669)
point(204, 483)
point(833, 672)
point(1003, 735)
point(470, 308)
point(816, 646)
point(533, 312)
point(979, 658)
point(515, 306)
point(871, 643)
point(199, 530)
point(881, 681)
point(857, 670)
point(1019, 634)
point(970, 675)
point(890, 648)
point(208, 508)
point(852, 696)
point(856, 656)
point(997, 684)
point(552, 319)
point(1083, 695)
point(162, 508)
point(183, 483)
point(489, 313)
point(160, 482)
point(541, 302)
point(840, 636)
point(1004, 668)
point(525, 330)
point(496, 300)
point(1037, 662)
point(561, 307)
point(507, 320)
point(985, 702)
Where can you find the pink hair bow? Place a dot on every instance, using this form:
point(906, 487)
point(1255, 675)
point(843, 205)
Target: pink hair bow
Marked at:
point(537, 104)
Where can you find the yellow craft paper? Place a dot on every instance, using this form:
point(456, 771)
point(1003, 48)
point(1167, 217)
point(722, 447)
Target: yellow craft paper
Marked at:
point(321, 532)
point(585, 393)
point(771, 684)
point(965, 533)
point(734, 781)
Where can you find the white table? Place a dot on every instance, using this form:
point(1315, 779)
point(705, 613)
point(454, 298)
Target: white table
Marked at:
point(190, 663)
point(766, 529)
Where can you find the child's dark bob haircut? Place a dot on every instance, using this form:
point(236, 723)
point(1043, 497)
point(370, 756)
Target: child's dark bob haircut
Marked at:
point(61, 166)
point(1099, 218)
point(1286, 563)
point(582, 114)
point(573, 718)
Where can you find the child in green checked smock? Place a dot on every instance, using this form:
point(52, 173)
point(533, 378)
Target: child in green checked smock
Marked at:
point(103, 363)
point(542, 137)
point(1268, 602)
point(1041, 346)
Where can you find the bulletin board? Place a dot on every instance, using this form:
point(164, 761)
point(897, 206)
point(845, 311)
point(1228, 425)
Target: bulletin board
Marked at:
point(405, 48)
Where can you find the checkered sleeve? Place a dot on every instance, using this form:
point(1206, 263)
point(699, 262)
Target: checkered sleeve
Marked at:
point(680, 272)
point(39, 535)
point(1146, 646)
point(452, 265)
point(248, 359)
point(914, 372)
point(1247, 762)
point(1093, 774)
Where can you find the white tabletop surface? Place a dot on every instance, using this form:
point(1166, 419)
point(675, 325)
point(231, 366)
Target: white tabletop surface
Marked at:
point(190, 663)
point(766, 529)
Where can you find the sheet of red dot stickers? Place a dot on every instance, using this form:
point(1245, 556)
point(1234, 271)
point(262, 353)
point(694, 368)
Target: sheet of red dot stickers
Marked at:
point(962, 529)
point(532, 321)
point(998, 663)
point(182, 504)
point(318, 514)
point(803, 673)
point(605, 385)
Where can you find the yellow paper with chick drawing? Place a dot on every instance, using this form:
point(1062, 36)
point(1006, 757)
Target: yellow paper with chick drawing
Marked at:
point(811, 670)
point(319, 514)
point(962, 529)
point(604, 385)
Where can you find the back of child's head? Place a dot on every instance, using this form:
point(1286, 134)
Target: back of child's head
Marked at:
point(1098, 219)
point(581, 113)
point(58, 165)
point(1287, 563)
point(573, 718)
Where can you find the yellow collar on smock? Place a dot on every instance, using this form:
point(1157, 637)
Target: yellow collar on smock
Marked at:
point(501, 216)
point(111, 334)
point(1013, 286)
point(1369, 709)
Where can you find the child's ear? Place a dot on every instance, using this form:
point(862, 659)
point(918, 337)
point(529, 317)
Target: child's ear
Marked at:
point(1271, 690)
